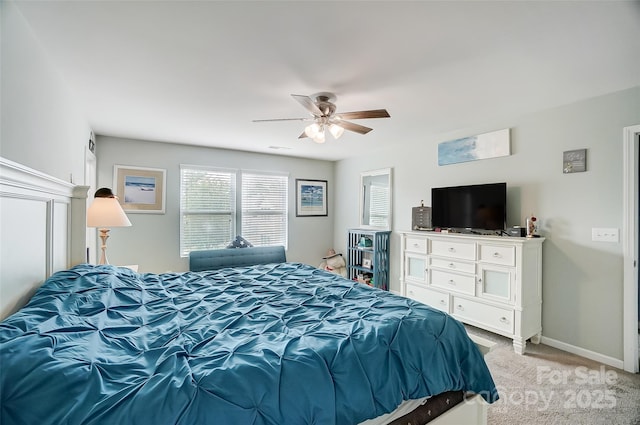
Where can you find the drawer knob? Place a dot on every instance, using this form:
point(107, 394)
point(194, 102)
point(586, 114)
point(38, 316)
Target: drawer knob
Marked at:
point(452, 249)
point(504, 320)
point(452, 266)
point(496, 255)
point(443, 302)
point(459, 307)
point(415, 245)
point(452, 282)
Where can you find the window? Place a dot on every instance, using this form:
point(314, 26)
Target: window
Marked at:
point(264, 208)
point(207, 208)
point(209, 216)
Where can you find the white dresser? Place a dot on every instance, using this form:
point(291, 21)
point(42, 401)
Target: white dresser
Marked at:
point(491, 282)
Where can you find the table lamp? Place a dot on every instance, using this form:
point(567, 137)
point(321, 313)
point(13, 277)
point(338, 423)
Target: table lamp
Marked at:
point(105, 212)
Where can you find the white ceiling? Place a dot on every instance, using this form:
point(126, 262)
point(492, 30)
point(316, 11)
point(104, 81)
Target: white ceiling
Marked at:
point(199, 72)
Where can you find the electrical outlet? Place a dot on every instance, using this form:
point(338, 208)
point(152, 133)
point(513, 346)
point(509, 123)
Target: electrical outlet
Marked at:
point(602, 234)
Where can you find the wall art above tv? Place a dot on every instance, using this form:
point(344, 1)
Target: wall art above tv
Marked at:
point(482, 146)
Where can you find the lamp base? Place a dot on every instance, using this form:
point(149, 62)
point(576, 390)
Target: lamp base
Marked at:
point(104, 235)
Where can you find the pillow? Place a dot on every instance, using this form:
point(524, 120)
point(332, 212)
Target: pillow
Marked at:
point(239, 242)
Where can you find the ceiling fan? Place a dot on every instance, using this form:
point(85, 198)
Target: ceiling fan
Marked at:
point(324, 116)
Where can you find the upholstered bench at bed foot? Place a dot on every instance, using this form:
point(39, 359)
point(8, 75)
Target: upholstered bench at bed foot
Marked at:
point(214, 259)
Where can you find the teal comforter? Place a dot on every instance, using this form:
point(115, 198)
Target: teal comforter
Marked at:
point(272, 344)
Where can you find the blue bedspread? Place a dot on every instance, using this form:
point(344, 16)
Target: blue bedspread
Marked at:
point(272, 344)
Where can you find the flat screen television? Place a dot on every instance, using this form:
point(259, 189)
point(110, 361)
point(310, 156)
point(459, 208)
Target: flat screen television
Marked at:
point(480, 206)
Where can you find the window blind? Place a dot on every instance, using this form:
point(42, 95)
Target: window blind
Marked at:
point(264, 208)
point(207, 208)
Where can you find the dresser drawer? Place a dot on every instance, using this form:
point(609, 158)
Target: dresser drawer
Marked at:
point(483, 314)
point(434, 299)
point(415, 244)
point(453, 265)
point(451, 249)
point(453, 281)
point(497, 254)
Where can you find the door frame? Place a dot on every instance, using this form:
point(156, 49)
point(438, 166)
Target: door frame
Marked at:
point(90, 179)
point(630, 229)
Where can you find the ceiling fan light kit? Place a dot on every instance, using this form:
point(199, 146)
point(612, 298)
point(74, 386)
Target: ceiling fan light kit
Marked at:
point(312, 129)
point(315, 132)
point(323, 112)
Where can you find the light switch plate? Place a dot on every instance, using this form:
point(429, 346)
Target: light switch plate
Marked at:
point(602, 234)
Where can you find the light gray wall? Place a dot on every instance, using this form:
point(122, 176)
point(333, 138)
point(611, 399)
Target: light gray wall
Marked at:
point(582, 287)
point(43, 126)
point(153, 241)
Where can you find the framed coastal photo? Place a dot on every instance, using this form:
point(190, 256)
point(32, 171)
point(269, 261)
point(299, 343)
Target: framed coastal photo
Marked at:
point(139, 189)
point(311, 198)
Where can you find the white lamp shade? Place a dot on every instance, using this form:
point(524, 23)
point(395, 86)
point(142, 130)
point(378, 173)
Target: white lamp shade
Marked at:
point(319, 137)
point(106, 212)
point(336, 131)
point(312, 130)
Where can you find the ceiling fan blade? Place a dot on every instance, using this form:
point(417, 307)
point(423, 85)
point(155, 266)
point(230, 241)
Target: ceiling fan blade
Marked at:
point(308, 104)
point(374, 113)
point(285, 119)
point(353, 127)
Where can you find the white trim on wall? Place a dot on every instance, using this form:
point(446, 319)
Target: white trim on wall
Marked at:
point(630, 188)
point(90, 180)
point(583, 352)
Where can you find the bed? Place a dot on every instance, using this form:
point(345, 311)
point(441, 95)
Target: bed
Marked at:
point(275, 343)
point(266, 344)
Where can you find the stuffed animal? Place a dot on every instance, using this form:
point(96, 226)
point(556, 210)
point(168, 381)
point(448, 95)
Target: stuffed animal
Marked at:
point(334, 263)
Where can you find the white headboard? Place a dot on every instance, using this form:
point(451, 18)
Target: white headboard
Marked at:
point(37, 234)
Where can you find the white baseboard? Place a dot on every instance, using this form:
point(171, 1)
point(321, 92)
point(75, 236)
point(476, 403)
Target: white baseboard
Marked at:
point(588, 354)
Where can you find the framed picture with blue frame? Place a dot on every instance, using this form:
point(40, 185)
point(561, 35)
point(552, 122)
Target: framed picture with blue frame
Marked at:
point(311, 198)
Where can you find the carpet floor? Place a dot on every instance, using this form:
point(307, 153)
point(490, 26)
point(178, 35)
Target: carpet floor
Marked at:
point(551, 386)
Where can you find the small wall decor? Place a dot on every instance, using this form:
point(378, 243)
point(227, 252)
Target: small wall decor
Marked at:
point(311, 198)
point(482, 146)
point(574, 161)
point(140, 190)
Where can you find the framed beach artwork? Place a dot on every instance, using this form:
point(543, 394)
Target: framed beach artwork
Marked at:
point(483, 146)
point(139, 189)
point(311, 198)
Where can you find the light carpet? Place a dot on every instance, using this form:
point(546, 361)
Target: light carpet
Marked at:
point(551, 386)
